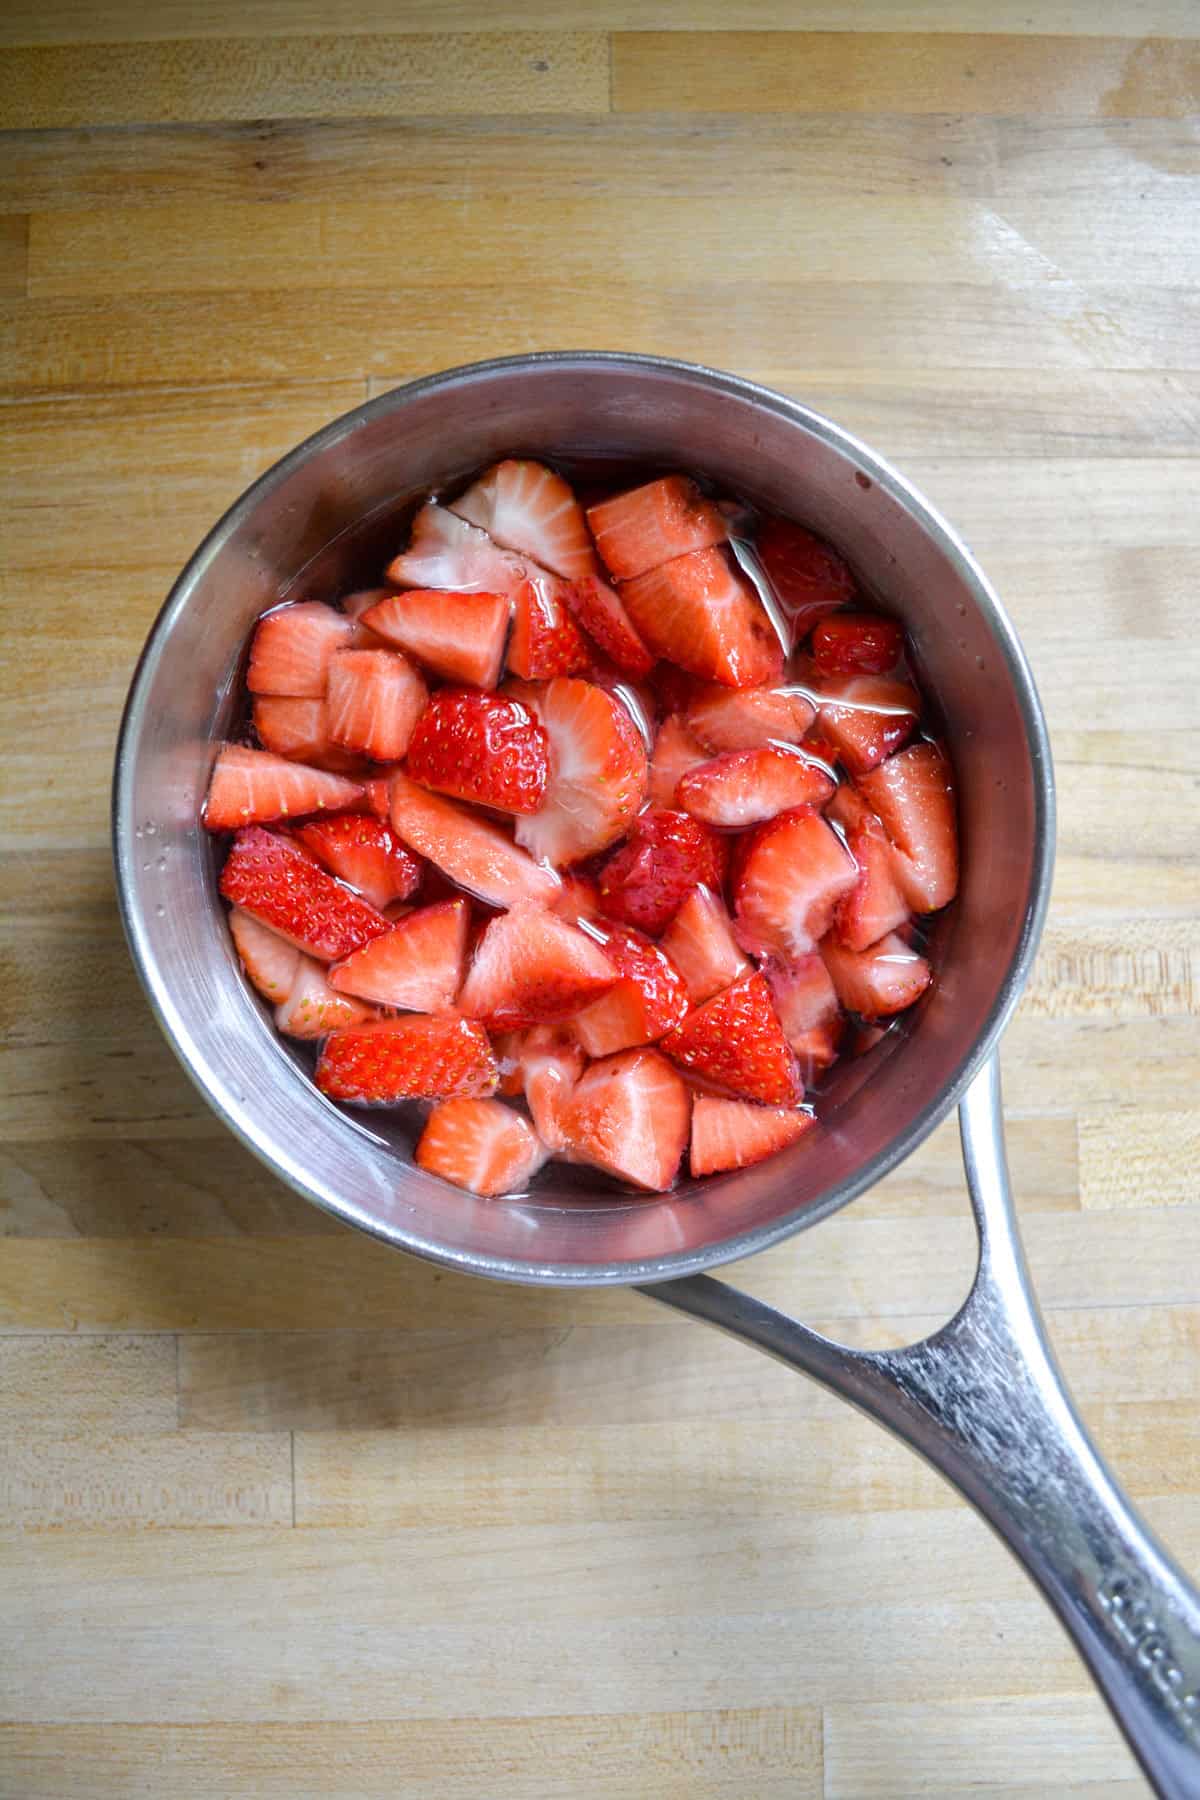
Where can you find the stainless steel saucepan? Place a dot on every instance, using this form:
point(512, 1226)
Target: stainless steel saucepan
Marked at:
point(981, 1399)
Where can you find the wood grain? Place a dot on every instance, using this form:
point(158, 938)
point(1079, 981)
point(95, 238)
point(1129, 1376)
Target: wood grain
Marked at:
point(281, 1513)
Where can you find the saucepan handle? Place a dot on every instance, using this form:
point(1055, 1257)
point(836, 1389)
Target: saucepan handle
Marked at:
point(984, 1402)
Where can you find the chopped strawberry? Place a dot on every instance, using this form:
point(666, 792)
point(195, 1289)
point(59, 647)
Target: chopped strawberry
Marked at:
point(646, 881)
point(744, 787)
point(598, 772)
point(354, 606)
point(649, 1000)
point(735, 1041)
point(297, 729)
point(807, 1003)
point(529, 965)
point(629, 1116)
point(474, 853)
point(732, 1134)
point(269, 960)
point(282, 886)
point(822, 750)
point(675, 689)
point(703, 615)
point(652, 524)
point(913, 794)
point(252, 787)
point(635, 696)
point(875, 905)
point(809, 579)
point(867, 717)
point(854, 643)
point(507, 1048)
point(377, 792)
point(601, 612)
point(375, 697)
point(483, 748)
point(545, 640)
point(795, 871)
point(457, 636)
point(364, 851)
point(525, 506)
point(577, 898)
point(312, 1008)
point(413, 1057)
point(675, 752)
point(481, 1145)
point(550, 1064)
point(417, 965)
point(293, 647)
point(748, 718)
point(699, 941)
point(879, 981)
point(444, 551)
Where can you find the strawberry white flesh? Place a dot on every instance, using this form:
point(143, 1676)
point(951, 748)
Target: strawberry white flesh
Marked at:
point(481, 1145)
point(313, 1008)
point(526, 507)
point(269, 960)
point(445, 551)
point(796, 871)
point(598, 772)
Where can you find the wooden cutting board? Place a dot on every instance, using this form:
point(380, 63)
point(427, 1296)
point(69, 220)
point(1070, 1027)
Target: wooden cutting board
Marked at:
point(284, 1515)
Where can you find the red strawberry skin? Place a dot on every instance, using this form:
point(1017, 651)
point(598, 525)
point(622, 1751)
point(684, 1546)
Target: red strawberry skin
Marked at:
point(545, 640)
point(736, 1042)
point(603, 616)
point(667, 855)
point(281, 885)
point(809, 578)
point(649, 1000)
point(365, 852)
point(853, 643)
point(483, 748)
point(867, 717)
point(414, 1057)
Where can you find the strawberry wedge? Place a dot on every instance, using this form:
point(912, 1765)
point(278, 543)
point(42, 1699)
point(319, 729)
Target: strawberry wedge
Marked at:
point(701, 613)
point(699, 942)
point(749, 717)
point(416, 966)
point(665, 857)
point(598, 771)
point(293, 647)
point(746, 787)
point(471, 851)
point(875, 905)
point(278, 882)
point(413, 1057)
point(602, 614)
point(732, 1134)
point(791, 879)
point(444, 551)
point(375, 698)
point(913, 794)
point(654, 523)
point(529, 967)
point(313, 1008)
point(483, 748)
point(252, 787)
point(879, 981)
point(867, 717)
point(808, 578)
point(270, 961)
point(629, 1115)
point(365, 852)
point(649, 1000)
point(481, 1145)
point(736, 1042)
point(457, 636)
point(545, 640)
point(549, 1064)
point(675, 752)
point(809, 1011)
point(526, 507)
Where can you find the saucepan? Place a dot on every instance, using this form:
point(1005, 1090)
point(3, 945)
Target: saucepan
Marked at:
point(981, 1399)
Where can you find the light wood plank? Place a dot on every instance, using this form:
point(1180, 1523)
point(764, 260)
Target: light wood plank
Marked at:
point(90, 1483)
point(1149, 784)
point(303, 77)
point(1123, 968)
point(734, 1469)
point(893, 72)
point(1003, 1745)
point(725, 1754)
point(1137, 1159)
point(108, 1383)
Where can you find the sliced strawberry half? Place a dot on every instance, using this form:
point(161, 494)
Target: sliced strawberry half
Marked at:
point(293, 647)
point(413, 1057)
point(629, 1116)
point(857, 643)
point(699, 941)
point(668, 854)
point(649, 1000)
point(867, 717)
point(299, 730)
point(745, 787)
point(285, 888)
point(875, 905)
point(879, 981)
point(808, 577)
point(269, 960)
point(702, 614)
point(748, 718)
point(545, 640)
point(375, 697)
point(444, 551)
point(732, 1134)
point(481, 1145)
point(795, 871)
point(550, 1063)
point(577, 898)
point(313, 1008)
point(364, 851)
point(675, 752)
point(598, 772)
point(457, 636)
point(417, 965)
point(354, 606)
point(652, 524)
point(601, 612)
point(525, 506)
point(481, 747)
point(913, 794)
point(472, 852)
point(807, 1003)
point(736, 1042)
point(252, 787)
point(531, 966)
